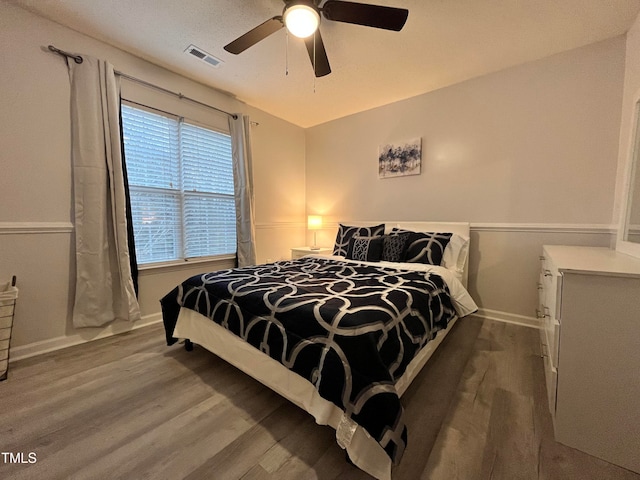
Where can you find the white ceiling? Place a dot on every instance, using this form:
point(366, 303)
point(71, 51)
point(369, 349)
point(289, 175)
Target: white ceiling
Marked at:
point(442, 43)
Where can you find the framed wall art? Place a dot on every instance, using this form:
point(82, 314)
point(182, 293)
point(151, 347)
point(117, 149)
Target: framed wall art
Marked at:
point(400, 159)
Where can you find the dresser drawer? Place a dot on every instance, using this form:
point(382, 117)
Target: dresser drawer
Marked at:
point(551, 284)
point(551, 378)
point(542, 294)
point(549, 290)
point(553, 338)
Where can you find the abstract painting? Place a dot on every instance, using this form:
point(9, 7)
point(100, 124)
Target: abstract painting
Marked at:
point(397, 160)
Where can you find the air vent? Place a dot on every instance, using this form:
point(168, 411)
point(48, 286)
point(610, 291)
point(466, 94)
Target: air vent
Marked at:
point(204, 56)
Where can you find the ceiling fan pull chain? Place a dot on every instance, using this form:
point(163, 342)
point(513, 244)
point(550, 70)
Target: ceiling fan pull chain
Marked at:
point(314, 62)
point(286, 54)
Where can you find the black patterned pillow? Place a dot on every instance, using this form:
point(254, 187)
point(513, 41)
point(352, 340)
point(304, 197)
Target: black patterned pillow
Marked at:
point(346, 232)
point(394, 247)
point(425, 247)
point(365, 249)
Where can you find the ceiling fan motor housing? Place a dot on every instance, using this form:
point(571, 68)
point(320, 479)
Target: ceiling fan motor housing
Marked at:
point(302, 17)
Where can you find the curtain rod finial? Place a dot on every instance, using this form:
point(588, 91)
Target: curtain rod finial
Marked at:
point(76, 58)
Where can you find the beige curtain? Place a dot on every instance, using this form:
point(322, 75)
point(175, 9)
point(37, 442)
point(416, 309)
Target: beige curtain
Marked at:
point(104, 288)
point(240, 129)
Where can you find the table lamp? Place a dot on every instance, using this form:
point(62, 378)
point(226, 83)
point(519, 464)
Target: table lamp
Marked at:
point(314, 222)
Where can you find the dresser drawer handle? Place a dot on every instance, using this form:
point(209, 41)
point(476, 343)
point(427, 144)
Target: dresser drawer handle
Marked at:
point(539, 314)
point(540, 287)
point(542, 258)
point(547, 273)
point(544, 350)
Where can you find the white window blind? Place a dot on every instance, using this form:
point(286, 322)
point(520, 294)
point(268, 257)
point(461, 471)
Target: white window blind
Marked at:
point(181, 185)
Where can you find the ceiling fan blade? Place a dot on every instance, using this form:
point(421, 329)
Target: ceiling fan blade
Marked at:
point(318, 54)
point(253, 36)
point(377, 16)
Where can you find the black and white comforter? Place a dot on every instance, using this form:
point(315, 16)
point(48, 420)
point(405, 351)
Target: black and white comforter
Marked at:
point(349, 329)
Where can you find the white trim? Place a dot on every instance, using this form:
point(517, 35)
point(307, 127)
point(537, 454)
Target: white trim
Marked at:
point(177, 265)
point(605, 229)
point(67, 227)
point(507, 317)
point(590, 228)
point(631, 161)
point(268, 225)
point(88, 335)
point(15, 228)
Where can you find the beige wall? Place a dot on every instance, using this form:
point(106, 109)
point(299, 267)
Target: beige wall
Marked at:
point(36, 232)
point(527, 155)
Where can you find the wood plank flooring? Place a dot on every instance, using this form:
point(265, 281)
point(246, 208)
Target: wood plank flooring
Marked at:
point(129, 407)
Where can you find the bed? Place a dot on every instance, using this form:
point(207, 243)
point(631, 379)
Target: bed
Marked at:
point(340, 336)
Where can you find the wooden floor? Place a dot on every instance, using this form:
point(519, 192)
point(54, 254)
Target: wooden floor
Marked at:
point(129, 407)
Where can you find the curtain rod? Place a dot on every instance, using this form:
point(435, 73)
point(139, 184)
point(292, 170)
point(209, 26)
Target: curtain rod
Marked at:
point(175, 94)
point(78, 59)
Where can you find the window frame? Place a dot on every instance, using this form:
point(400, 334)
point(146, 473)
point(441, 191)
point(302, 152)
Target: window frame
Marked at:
point(168, 264)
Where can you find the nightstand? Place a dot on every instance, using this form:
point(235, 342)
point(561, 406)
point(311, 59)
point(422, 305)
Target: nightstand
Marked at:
point(299, 252)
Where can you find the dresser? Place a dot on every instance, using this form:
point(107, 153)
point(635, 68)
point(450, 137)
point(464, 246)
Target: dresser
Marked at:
point(299, 252)
point(589, 306)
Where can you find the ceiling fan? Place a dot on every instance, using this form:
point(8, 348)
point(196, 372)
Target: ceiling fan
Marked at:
point(302, 19)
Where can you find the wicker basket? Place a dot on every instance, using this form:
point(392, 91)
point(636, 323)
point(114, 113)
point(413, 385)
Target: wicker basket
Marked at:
point(8, 297)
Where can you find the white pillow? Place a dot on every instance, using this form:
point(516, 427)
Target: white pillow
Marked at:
point(456, 252)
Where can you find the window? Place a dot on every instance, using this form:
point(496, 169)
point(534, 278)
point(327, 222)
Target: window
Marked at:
point(181, 186)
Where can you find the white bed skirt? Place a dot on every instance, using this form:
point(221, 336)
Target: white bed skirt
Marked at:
point(363, 450)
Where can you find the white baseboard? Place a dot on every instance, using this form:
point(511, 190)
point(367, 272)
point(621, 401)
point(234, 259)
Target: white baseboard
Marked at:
point(506, 317)
point(89, 335)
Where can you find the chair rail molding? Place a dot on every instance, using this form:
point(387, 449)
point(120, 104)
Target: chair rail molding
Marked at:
point(21, 228)
point(280, 225)
point(592, 228)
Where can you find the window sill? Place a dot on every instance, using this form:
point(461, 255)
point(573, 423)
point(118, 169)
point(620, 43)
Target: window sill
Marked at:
point(183, 264)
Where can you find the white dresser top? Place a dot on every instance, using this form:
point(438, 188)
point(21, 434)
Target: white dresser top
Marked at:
point(592, 260)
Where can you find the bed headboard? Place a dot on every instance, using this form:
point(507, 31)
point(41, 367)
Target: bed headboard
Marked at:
point(460, 228)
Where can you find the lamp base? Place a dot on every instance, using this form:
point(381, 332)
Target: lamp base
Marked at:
point(314, 248)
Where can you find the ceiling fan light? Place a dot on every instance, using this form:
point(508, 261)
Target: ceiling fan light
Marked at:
point(301, 20)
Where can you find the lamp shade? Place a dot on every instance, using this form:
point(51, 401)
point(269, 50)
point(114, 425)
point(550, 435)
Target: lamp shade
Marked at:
point(301, 20)
point(314, 222)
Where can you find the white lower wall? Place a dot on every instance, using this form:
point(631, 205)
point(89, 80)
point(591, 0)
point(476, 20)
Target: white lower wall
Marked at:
point(269, 239)
point(504, 262)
